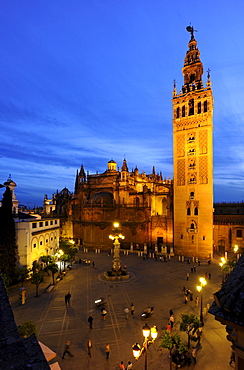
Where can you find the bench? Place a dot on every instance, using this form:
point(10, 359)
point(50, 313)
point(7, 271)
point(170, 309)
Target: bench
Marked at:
point(49, 288)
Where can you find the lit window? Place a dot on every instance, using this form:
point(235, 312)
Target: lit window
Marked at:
point(239, 233)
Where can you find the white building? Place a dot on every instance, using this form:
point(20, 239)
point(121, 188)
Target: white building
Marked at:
point(35, 237)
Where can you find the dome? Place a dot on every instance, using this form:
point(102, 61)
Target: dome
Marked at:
point(102, 197)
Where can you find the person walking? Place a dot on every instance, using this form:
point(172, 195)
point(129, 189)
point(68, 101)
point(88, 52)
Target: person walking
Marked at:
point(184, 290)
point(89, 347)
point(132, 309)
point(197, 301)
point(90, 320)
point(93, 264)
point(171, 321)
point(194, 355)
point(121, 366)
point(187, 276)
point(68, 296)
point(185, 299)
point(104, 313)
point(129, 365)
point(126, 311)
point(107, 350)
point(209, 276)
point(67, 350)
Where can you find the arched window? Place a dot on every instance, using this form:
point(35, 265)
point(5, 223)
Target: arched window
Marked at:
point(188, 211)
point(191, 107)
point(199, 107)
point(205, 106)
point(196, 211)
point(177, 112)
point(192, 226)
point(183, 111)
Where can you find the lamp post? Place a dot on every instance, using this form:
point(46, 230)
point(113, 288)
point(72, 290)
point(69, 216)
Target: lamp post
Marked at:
point(200, 287)
point(116, 235)
point(222, 263)
point(59, 254)
point(137, 349)
point(236, 248)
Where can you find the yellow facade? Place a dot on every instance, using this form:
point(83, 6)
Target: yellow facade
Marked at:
point(193, 162)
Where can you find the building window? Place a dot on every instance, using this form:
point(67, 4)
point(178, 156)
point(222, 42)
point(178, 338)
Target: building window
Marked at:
point(199, 107)
point(34, 225)
point(177, 112)
point(188, 211)
point(183, 111)
point(196, 211)
point(239, 233)
point(34, 245)
point(40, 242)
point(40, 224)
point(191, 107)
point(46, 223)
point(192, 194)
point(51, 222)
point(205, 106)
point(203, 238)
point(56, 222)
point(51, 239)
point(181, 236)
point(46, 241)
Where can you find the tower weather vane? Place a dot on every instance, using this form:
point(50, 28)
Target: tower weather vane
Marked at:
point(191, 30)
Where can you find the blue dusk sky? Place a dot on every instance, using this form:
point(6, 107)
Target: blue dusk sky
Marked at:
point(87, 81)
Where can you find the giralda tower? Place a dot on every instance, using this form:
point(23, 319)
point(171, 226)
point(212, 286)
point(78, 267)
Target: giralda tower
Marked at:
point(193, 158)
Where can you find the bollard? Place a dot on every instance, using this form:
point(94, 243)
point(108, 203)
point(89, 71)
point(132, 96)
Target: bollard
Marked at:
point(182, 258)
point(179, 258)
point(204, 311)
point(196, 259)
point(193, 259)
point(208, 306)
point(138, 253)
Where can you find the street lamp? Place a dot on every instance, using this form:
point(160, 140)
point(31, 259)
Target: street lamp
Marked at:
point(236, 249)
point(222, 263)
point(200, 287)
point(59, 254)
point(137, 349)
point(116, 235)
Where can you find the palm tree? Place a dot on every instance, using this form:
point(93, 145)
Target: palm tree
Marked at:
point(53, 267)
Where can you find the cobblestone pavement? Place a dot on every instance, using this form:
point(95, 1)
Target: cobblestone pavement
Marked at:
point(152, 283)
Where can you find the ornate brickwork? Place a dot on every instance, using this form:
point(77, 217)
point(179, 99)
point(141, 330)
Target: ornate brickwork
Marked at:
point(203, 142)
point(203, 170)
point(180, 145)
point(181, 171)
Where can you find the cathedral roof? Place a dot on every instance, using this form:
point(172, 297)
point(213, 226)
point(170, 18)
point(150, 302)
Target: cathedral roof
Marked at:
point(102, 197)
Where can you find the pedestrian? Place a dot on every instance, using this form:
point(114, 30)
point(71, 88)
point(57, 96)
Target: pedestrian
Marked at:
point(194, 268)
point(68, 296)
point(104, 313)
point(232, 357)
point(191, 295)
point(169, 327)
point(90, 320)
point(93, 264)
point(187, 276)
point(209, 276)
point(206, 275)
point(197, 301)
point(67, 350)
point(132, 309)
point(129, 365)
point(171, 321)
point(121, 366)
point(107, 350)
point(194, 355)
point(66, 299)
point(89, 347)
point(171, 312)
point(184, 289)
point(185, 299)
point(199, 263)
point(160, 259)
point(126, 311)
point(80, 261)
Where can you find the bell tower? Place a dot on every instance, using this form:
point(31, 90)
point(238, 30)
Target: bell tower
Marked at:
point(193, 158)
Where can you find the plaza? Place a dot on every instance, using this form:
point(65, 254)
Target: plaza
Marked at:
point(152, 283)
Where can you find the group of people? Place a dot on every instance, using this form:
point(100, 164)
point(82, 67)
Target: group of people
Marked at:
point(188, 295)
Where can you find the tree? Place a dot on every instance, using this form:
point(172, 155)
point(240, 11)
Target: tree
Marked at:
point(53, 267)
point(189, 323)
point(68, 248)
point(26, 329)
point(37, 278)
point(7, 236)
point(22, 273)
point(173, 343)
point(47, 259)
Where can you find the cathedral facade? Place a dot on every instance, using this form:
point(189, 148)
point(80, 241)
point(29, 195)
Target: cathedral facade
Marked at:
point(141, 203)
